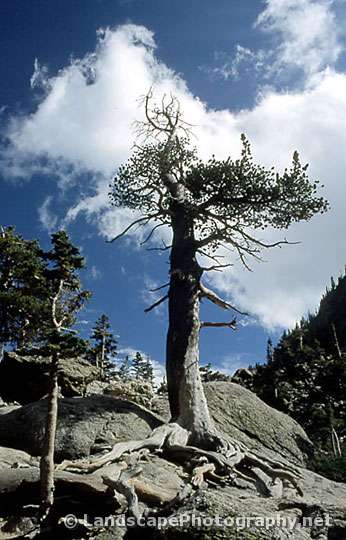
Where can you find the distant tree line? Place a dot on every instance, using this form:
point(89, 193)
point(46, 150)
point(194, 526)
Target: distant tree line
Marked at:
point(305, 375)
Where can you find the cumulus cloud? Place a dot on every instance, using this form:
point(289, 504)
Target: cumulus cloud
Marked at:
point(305, 31)
point(304, 39)
point(83, 126)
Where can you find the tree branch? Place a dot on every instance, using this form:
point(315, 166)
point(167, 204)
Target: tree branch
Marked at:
point(163, 299)
point(136, 222)
point(216, 267)
point(165, 248)
point(232, 324)
point(151, 233)
point(211, 257)
point(213, 297)
point(159, 288)
point(57, 323)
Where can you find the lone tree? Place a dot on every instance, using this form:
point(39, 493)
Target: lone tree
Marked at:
point(206, 205)
point(105, 345)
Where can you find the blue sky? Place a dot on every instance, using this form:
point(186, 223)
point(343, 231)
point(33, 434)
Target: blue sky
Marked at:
point(71, 76)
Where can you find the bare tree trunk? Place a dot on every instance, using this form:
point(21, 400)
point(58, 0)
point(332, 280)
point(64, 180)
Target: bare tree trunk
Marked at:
point(185, 390)
point(336, 342)
point(47, 458)
point(103, 356)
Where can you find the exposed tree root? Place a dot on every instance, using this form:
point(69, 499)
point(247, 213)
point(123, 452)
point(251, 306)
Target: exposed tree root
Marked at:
point(228, 462)
point(123, 486)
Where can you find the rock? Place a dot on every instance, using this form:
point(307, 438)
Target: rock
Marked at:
point(24, 378)
point(241, 414)
point(96, 387)
point(85, 421)
point(83, 425)
point(136, 390)
point(15, 459)
point(238, 412)
point(245, 513)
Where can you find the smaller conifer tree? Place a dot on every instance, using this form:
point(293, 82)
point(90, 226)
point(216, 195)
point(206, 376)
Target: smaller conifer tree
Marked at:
point(105, 346)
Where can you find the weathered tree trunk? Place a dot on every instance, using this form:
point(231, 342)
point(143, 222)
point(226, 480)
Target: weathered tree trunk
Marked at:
point(185, 390)
point(47, 458)
point(103, 356)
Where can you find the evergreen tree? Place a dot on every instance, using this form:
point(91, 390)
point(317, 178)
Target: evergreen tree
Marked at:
point(105, 346)
point(139, 366)
point(206, 204)
point(148, 374)
point(124, 371)
point(66, 298)
point(307, 376)
point(270, 350)
point(209, 375)
point(23, 299)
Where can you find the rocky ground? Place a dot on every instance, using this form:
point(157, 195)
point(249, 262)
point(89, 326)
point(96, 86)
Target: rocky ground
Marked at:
point(164, 487)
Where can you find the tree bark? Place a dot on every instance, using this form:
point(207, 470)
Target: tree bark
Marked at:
point(103, 356)
point(47, 458)
point(185, 390)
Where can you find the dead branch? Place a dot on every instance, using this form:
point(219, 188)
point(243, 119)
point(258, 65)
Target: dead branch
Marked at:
point(156, 304)
point(215, 299)
point(232, 324)
point(159, 288)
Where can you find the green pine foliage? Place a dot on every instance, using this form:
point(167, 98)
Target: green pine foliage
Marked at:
point(29, 280)
point(210, 375)
point(139, 368)
point(104, 350)
point(305, 376)
point(62, 282)
point(24, 304)
point(142, 368)
point(124, 371)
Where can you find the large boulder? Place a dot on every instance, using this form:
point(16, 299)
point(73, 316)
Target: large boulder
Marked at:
point(136, 390)
point(24, 378)
point(85, 425)
point(241, 414)
point(86, 422)
point(238, 412)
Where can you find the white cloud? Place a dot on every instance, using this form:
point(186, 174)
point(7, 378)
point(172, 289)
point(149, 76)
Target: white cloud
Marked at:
point(306, 34)
point(305, 39)
point(230, 363)
point(95, 273)
point(46, 216)
point(83, 123)
point(244, 59)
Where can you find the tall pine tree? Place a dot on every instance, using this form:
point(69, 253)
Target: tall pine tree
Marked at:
point(105, 346)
